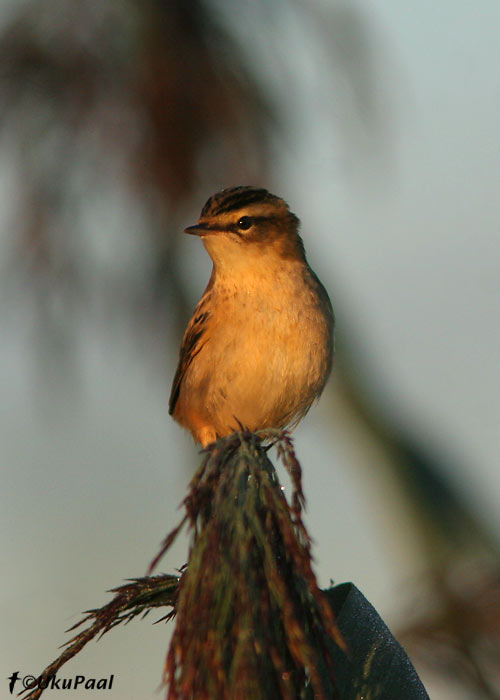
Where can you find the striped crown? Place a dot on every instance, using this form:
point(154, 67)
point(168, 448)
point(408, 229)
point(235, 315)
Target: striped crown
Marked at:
point(234, 198)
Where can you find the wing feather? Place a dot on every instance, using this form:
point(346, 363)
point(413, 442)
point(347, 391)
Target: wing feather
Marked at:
point(192, 343)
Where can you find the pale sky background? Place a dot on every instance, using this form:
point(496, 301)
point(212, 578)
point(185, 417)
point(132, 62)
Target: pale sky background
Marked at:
point(408, 240)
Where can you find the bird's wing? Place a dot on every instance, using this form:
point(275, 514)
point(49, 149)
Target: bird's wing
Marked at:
point(192, 343)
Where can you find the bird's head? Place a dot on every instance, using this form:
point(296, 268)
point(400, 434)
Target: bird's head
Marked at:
point(242, 225)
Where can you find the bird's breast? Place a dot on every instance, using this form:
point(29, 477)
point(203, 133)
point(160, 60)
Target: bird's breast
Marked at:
point(270, 350)
point(266, 352)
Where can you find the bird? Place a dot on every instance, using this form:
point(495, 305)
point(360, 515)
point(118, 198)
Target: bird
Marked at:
point(258, 349)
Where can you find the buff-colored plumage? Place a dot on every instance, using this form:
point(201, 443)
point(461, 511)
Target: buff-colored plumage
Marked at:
point(258, 349)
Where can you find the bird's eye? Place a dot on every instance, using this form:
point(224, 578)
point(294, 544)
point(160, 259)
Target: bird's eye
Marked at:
point(245, 223)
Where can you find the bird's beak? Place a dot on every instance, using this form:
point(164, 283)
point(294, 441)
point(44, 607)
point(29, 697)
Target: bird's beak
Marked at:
point(196, 230)
point(200, 230)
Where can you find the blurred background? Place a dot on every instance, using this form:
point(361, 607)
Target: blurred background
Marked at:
point(378, 123)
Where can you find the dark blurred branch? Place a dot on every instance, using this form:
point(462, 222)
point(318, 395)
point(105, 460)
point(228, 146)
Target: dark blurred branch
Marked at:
point(455, 628)
point(153, 99)
point(447, 522)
